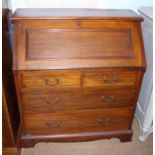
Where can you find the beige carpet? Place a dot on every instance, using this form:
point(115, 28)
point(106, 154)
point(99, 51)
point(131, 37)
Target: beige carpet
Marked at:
point(100, 147)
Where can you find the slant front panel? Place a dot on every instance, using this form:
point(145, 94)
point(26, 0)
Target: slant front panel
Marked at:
point(82, 44)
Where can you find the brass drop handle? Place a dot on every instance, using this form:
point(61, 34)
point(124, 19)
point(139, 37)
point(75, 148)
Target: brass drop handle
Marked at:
point(111, 98)
point(103, 121)
point(57, 99)
point(56, 125)
point(102, 98)
point(108, 79)
point(47, 82)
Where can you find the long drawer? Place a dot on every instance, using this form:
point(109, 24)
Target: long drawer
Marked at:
point(51, 100)
point(78, 121)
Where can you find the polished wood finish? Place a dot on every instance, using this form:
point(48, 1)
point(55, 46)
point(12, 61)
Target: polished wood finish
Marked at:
point(51, 100)
point(77, 72)
point(47, 79)
point(64, 13)
point(109, 78)
point(76, 43)
point(31, 140)
point(43, 44)
point(10, 114)
point(78, 121)
point(77, 78)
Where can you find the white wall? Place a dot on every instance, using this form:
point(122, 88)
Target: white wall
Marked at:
point(62, 3)
point(125, 4)
point(109, 4)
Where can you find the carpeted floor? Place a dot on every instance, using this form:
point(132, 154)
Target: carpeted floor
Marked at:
point(100, 147)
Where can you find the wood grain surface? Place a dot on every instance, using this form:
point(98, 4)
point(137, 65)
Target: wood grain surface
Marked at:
point(65, 13)
point(53, 100)
point(78, 121)
point(78, 73)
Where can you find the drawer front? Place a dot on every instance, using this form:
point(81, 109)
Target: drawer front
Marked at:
point(110, 78)
point(49, 79)
point(74, 99)
point(78, 121)
point(77, 78)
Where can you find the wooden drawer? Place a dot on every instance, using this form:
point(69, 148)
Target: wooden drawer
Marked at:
point(74, 99)
point(49, 79)
point(78, 121)
point(104, 78)
point(77, 78)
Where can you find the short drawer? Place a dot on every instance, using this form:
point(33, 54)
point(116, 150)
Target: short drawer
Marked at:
point(105, 78)
point(78, 121)
point(74, 99)
point(49, 79)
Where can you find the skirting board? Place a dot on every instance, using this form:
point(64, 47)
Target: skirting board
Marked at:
point(31, 140)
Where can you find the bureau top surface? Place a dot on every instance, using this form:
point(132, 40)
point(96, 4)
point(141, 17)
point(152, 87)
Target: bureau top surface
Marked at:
point(64, 13)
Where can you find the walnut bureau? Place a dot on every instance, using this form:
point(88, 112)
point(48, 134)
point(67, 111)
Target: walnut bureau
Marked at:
point(77, 72)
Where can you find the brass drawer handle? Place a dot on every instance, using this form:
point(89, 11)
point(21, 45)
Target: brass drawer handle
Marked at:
point(50, 125)
point(109, 79)
point(102, 98)
point(57, 99)
point(47, 82)
point(103, 121)
point(111, 98)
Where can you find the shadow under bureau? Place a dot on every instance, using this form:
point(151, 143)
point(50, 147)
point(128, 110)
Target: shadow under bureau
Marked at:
point(77, 72)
